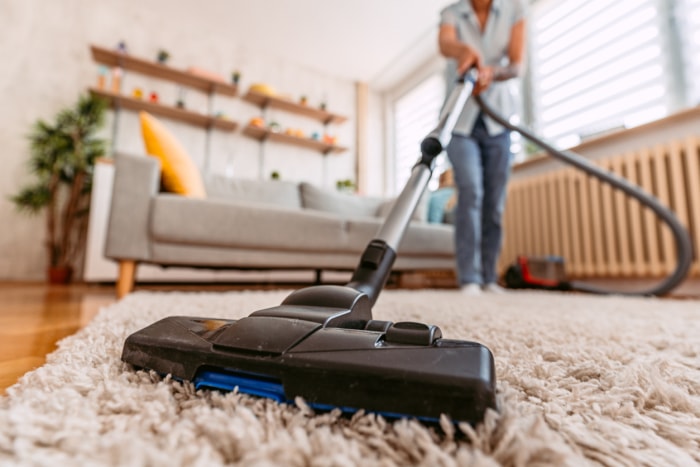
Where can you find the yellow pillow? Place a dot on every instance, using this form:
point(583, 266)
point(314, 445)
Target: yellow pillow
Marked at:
point(178, 172)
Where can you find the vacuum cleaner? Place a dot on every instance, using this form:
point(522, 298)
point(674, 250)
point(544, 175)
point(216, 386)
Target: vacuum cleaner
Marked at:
point(537, 272)
point(322, 343)
point(548, 272)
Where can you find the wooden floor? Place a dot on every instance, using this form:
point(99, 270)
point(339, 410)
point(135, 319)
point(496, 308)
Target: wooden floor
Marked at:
point(34, 316)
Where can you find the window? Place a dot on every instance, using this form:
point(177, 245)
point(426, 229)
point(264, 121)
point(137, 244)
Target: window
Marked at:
point(688, 18)
point(597, 65)
point(415, 115)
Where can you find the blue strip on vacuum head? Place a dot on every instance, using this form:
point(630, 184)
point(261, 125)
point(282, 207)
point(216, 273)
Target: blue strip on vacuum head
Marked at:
point(271, 388)
point(253, 384)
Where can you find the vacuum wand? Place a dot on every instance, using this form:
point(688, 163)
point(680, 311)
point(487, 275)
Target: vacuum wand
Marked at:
point(376, 262)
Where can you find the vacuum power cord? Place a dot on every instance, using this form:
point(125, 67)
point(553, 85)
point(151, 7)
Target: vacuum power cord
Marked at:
point(680, 233)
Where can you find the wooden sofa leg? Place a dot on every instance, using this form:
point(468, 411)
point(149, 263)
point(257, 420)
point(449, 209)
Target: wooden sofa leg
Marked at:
point(127, 275)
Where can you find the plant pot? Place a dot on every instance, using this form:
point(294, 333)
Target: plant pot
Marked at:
point(60, 274)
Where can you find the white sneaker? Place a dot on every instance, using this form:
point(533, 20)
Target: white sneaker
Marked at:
point(470, 289)
point(494, 288)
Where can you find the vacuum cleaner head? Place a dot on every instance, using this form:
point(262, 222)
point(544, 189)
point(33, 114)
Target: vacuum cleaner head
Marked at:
point(322, 344)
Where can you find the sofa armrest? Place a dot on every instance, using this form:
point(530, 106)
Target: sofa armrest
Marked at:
point(136, 182)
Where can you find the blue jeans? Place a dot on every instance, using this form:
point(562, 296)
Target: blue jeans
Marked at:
point(481, 165)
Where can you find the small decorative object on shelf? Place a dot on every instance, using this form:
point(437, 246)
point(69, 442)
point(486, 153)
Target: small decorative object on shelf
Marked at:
point(296, 132)
point(116, 79)
point(274, 127)
point(346, 185)
point(163, 56)
point(206, 74)
point(137, 93)
point(121, 47)
point(153, 97)
point(275, 175)
point(329, 139)
point(303, 100)
point(180, 103)
point(221, 115)
point(257, 122)
point(102, 72)
point(262, 88)
point(323, 105)
point(235, 76)
point(315, 136)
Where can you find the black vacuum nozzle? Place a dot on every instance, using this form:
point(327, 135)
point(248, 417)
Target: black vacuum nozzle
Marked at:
point(322, 345)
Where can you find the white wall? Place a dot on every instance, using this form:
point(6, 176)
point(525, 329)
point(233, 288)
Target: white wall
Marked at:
point(46, 64)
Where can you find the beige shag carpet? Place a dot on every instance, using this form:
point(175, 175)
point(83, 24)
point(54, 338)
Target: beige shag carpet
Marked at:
point(582, 380)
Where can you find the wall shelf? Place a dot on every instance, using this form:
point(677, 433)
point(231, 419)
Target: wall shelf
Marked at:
point(263, 101)
point(115, 58)
point(174, 113)
point(263, 134)
point(210, 86)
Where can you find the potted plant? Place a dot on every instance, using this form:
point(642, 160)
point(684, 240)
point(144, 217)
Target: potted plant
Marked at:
point(63, 154)
point(346, 185)
point(163, 56)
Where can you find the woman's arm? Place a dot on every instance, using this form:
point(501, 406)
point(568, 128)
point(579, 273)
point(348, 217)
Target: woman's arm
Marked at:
point(452, 47)
point(516, 54)
point(467, 57)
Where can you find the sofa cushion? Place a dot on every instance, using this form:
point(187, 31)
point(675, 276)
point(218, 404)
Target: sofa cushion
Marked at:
point(420, 214)
point(342, 204)
point(178, 173)
point(219, 223)
point(277, 192)
point(420, 239)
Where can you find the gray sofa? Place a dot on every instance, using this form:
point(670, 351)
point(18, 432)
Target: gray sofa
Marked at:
point(247, 224)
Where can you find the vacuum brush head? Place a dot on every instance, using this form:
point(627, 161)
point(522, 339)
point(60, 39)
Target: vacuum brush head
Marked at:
point(322, 344)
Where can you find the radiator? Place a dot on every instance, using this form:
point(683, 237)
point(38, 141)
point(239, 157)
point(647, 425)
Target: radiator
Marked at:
point(599, 230)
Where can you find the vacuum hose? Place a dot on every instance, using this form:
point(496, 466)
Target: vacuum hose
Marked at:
point(683, 243)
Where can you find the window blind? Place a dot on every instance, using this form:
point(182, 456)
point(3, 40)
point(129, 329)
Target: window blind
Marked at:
point(688, 14)
point(415, 114)
point(597, 65)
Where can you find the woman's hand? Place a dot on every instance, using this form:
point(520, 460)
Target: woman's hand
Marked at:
point(467, 59)
point(484, 79)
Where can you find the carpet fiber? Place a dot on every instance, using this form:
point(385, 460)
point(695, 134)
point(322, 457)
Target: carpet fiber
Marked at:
point(582, 380)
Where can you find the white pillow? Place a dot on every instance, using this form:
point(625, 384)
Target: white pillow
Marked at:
point(277, 192)
point(343, 204)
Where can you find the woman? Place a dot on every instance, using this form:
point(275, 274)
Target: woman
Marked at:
point(488, 35)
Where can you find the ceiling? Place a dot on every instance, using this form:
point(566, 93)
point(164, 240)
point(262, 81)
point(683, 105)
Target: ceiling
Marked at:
point(375, 41)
